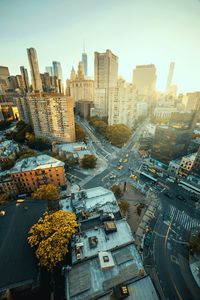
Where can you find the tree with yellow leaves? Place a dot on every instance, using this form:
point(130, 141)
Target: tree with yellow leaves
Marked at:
point(51, 236)
point(50, 193)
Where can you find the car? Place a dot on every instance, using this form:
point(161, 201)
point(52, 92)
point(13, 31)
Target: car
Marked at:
point(120, 160)
point(2, 213)
point(194, 198)
point(126, 155)
point(120, 167)
point(167, 194)
point(147, 239)
point(180, 197)
point(20, 201)
point(112, 176)
point(125, 160)
point(133, 176)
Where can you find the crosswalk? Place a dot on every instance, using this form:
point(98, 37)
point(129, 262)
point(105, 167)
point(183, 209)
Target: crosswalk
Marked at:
point(183, 219)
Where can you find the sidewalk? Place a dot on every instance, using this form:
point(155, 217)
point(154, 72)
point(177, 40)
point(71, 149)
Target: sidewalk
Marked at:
point(195, 268)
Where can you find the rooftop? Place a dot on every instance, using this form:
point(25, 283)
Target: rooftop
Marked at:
point(18, 263)
point(7, 148)
point(35, 163)
point(90, 242)
point(94, 278)
point(92, 202)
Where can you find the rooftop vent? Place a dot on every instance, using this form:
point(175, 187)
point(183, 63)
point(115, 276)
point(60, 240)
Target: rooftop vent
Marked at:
point(93, 241)
point(121, 291)
point(110, 227)
point(106, 260)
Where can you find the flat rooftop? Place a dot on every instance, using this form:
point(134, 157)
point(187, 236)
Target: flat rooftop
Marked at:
point(104, 242)
point(35, 163)
point(18, 263)
point(71, 147)
point(89, 279)
point(91, 203)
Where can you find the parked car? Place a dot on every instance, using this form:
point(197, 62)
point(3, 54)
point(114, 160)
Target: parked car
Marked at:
point(180, 197)
point(147, 239)
point(167, 194)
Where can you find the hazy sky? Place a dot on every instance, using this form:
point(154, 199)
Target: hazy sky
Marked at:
point(137, 31)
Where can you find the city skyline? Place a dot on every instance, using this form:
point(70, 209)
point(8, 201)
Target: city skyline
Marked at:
point(143, 26)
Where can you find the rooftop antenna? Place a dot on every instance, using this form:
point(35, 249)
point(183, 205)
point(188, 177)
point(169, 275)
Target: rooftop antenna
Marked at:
point(83, 46)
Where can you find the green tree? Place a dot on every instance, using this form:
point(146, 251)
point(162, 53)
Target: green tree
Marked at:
point(100, 126)
point(124, 206)
point(118, 134)
point(8, 164)
point(116, 191)
point(39, 144)
point(24, 153)
point(71, 161)
point(194, 243)
point(80, 134)
point(51, 236)
point(50, 193)
point(89, 161)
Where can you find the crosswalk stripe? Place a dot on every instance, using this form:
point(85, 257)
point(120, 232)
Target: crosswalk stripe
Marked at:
point(182, 219)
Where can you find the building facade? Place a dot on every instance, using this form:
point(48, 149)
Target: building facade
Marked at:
point(34, 68)
point(105, 77)
point(53, 117)
point(172, 141)
point(30, 173)
point(24, 74)
point(122, 104)
point(144, 79)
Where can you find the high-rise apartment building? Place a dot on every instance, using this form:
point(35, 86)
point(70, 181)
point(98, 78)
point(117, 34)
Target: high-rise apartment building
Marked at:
point(24, 74)
point(192, 101)
point(4, 72)
point(122, 104)
point(105, 77)
point(34, 67)
point(144, 79)
point(169, 78)
point(172, 141)
point(53, 117)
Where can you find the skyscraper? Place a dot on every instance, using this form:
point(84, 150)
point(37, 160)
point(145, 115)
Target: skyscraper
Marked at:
point(57, 70)
point(4, 72)
point(24, 74)
point(84, 60)
point(34, 67)
point(105, 76)
point(169, 78)
point(144, 79)
point(49, 70)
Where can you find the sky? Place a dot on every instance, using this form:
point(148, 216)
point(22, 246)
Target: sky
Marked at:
point(137, 31)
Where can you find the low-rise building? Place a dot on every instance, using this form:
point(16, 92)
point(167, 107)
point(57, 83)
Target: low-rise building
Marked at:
point(75, 150)
point(105, 260)
point(7, 184)
point(8, 150)
point(32, 172)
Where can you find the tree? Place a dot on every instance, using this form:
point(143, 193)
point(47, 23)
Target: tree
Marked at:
point(50, 193)
point(124, 206)
point(116, 191)
point(100, 126)
point(118, 134)
point(24, 153)
point(80, 134)
point(194, 243)
point(71, 161)
point(89, 161)
point(39, 144)
point(8, 164)
point(51, 236)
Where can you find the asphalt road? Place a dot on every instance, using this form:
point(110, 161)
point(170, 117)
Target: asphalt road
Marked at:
point(167, 257)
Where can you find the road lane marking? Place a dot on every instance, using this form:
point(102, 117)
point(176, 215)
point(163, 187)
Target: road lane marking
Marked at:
point(179, 296)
